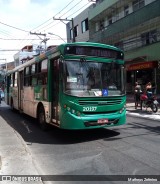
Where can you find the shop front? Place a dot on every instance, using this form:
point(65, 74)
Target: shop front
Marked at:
point(141, 72)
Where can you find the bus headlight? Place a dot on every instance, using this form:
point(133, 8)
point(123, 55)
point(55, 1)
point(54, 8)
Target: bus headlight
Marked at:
point(73, 111)
point(77, 113)
point(122, 110)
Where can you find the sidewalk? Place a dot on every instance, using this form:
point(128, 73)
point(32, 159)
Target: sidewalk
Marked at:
point(15, 158)
point(130, 106)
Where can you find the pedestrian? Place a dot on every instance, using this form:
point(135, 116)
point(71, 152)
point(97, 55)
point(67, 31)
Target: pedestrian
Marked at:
point(137, 93)
point(149, 89)
point(0, 96)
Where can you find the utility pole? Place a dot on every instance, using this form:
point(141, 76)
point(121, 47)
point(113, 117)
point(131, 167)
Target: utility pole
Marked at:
point(71, 20)
point(43, 40)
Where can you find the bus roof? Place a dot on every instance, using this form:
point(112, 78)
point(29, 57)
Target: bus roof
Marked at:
point(93, 44)
point(61, 48)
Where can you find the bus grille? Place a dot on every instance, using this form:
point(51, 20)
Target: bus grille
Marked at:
point(96, 102)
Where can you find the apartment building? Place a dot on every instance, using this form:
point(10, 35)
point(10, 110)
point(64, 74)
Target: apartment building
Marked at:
point(81, 29)
point(134, 26)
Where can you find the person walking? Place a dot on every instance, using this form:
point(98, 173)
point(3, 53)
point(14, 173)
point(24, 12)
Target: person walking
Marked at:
point(0, 96)
point(137, 93)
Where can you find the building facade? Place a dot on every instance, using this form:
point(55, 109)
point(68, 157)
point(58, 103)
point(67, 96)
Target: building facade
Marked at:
point(134, 26)
point(81, 29)
point(27, 53)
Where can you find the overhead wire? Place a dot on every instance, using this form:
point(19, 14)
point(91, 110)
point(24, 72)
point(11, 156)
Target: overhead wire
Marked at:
point(14, 27)
point(70, 9)
point(46, 26)
point(49, 20)
point(78, 9)
point(54, 15)
point(68, 15)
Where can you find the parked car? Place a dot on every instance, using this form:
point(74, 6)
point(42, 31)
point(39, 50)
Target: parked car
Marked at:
point(2, 94)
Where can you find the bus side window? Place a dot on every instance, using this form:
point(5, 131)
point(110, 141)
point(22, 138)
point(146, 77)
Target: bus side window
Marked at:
point(42, 79)
point(45, 79)
point(34, 80)
point(39, 80)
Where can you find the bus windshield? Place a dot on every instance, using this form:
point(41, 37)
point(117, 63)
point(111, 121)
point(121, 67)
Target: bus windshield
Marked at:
point(83, 78)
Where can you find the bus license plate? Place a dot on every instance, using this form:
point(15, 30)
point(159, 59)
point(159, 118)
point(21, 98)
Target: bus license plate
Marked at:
point(102, 121)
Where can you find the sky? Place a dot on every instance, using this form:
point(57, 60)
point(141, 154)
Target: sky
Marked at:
point(20, 17)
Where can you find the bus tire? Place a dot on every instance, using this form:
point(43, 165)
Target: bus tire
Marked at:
point(41, 118)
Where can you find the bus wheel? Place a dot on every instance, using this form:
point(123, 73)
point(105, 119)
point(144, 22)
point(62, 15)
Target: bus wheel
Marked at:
point(42, 119)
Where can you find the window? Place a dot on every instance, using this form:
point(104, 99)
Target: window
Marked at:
point(34, 80)
point(33, 69)
point(138, 4)
point(44, 65)
point(27, 72)
point(153, 36)
point(110, 20)
point(149, 37)
point(27, 81)
point(11, 77)
point(126, 10)
point(76, 31)
point(42, 79)
point(15, 79)
point(101, 25)
point(84, 25)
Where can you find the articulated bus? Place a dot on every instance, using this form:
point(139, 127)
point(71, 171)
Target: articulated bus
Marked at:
point(72, 86)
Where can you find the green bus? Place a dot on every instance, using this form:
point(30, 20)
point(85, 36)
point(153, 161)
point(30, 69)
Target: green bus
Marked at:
point(72, 86)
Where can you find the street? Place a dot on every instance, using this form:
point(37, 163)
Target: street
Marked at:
point(132, 149)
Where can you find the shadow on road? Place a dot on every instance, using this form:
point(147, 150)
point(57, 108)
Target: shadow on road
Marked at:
point(30, 131)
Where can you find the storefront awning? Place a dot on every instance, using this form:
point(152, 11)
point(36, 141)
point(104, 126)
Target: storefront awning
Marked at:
point(142, 65)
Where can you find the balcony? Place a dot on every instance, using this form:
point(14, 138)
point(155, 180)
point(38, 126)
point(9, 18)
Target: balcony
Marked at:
point(134, 19)
point(101, 8)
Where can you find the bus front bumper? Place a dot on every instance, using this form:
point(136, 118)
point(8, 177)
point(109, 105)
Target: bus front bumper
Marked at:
point(71, 121)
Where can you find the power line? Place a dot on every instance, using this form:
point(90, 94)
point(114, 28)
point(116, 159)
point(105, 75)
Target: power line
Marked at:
point(52, 18)
point(71, 8)
point(21, 39)
point(65, 7)
point(68, 16)
point(45, 26)
point(78, 10)
point(14, 27)
point(16, 39)
point(3, 50)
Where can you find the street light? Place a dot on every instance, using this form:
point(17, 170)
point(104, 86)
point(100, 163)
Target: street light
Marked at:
point(58, 36)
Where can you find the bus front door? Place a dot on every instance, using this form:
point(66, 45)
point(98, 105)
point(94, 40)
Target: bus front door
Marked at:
point(55, 87)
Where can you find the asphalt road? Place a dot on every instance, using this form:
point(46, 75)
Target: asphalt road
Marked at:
point(132, 149)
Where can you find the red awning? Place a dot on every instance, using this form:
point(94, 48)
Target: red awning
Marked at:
point(142, 65)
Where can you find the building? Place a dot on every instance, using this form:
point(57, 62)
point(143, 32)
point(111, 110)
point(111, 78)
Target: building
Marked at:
point(81, 29)
point(134, 26)
point(3, 69)
point(27, 53)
